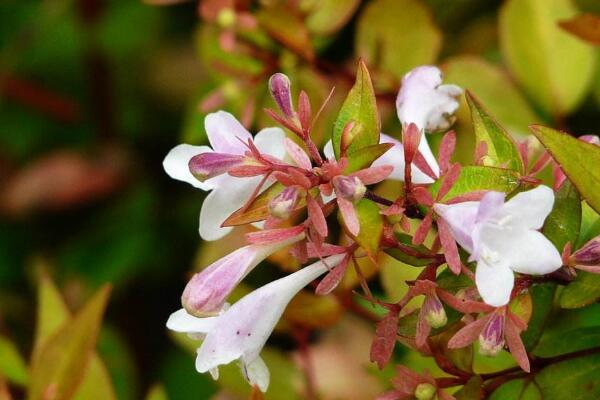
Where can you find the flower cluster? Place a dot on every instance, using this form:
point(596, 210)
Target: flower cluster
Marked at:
point(287, 189)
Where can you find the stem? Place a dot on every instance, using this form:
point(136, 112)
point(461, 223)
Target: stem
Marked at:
point(301, 335)
point(377, 199)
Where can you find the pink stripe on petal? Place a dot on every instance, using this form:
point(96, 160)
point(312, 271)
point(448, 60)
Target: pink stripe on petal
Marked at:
point(297, 154)
point(349, 215)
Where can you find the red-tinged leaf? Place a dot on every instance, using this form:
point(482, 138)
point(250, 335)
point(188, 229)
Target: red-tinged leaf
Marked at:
point(449, 246)
point(447, 147)
point(369, 176)
point(269, 236)
point(258, 209)
point(584, 26)
point(304, 111)
point(445, 396)
point(333, 278)
point(315, 214)
point(298, 155)
point(406, 380)
point(422, 230)
point(349, 216)
point(468, 334)
point(463, 305)
point(347, 137)
point(449, 180)
point(256, 394)
point(515, 345)
point(385, 339)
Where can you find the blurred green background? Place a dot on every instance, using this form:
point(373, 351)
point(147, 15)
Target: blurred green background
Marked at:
point(93, 94)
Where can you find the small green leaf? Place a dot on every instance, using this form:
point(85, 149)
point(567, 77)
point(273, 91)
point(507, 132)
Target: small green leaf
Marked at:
point(578, 159)
point(371, 225)
point(584, 290)
point(517, 389)
point(554, 68)
point(501, 149)
point(328, 16)
point(474, 178)
point(360, 107)
point(542, 297)
point(397, 35)
point(62, 360)
point(564, 222)
point(575, 379)
point(590, 224)
point(12, 364)
point(364, 157)
point(425, 257)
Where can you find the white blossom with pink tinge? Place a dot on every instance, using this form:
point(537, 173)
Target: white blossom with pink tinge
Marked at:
point(227, 193)
point(503, 237)
point(241, 331)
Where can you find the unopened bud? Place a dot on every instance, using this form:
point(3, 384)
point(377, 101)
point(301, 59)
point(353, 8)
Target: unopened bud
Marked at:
point(435, 315)
point(425, 391)
point(350, 188)
point(491, 338)
point(208, 165)
point(589, 254)
point(282, 205)
point(279, 85)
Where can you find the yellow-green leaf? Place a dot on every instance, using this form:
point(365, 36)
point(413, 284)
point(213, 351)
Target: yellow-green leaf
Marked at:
point(12, 364)
point(327, 16)
point(360, 108)
point(553, 67)
point(364, 157)
point(584, 290)
point(474, 178)
point(579, 160)
point(62, 360)
point(371, 225)
point(397, 35)
point(564, 222)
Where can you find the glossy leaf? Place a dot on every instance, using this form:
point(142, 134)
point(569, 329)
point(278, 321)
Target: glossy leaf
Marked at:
point(553, 67)
point(501, 149)
point(371, 225)
point(542, 297)
point(472, 390)
point(360, 108)
point(12, 364)
point(585, 26)
point(476, 178)
point(578, 159)
point(397, 35)
point(575, 379)
point(517, 389)
point(563, 224)
point(62, 360)
point(424, 258)
point(364, 157)
point(328, 16)
point(584, 290)
point(579, 339)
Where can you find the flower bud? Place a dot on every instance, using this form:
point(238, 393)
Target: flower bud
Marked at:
point(208, 165)
point(425, 391)
point(589, 254)
point(491, 338)
point(282, 205)
point(435, 315)
point(206, 292)
point(279, 85)
point(349, 188)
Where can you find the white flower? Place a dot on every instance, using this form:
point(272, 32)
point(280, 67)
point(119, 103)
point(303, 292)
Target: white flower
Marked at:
point(226, 135)
point(240, 332)
point(503, 237)
point(424, 101)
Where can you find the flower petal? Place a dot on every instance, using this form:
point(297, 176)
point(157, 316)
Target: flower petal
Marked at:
point(271, 141)
point(225, 133)
point(256, 373)
point(461, 218)
point(494, 282)
point(529, 209)
point(328, 150)
point(297, 154)
point(176, 165)
point(524, 250)
point(181, 321)
point(395, 157)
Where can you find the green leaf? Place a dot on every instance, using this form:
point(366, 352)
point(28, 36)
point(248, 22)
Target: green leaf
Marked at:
point(553, 67)
point(397, 35)
point(501, 149)
point(12, 364)
point(472, 390)
point(474, 178)
point(399, 255)
point(584, 290)
point(371, 225)
point(157, 392)
point(96, 383)
point(564, 222)
point(575, 379)
point(364, 157)
point(328, 16)
point(578, 159)
point(578, 339)
point(495, 89)
point(517, 389)
point(542, 297)
point(62, 361)
point(360, 107)
point(590, 224)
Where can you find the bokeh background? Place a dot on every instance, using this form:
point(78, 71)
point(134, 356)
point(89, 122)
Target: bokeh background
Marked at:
point(94, 93)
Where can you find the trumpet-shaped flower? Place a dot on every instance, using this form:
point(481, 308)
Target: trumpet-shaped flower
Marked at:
point(424, 101)
point(240, 332)
point(206, 292)
point(503, 237)
point(228, 138)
